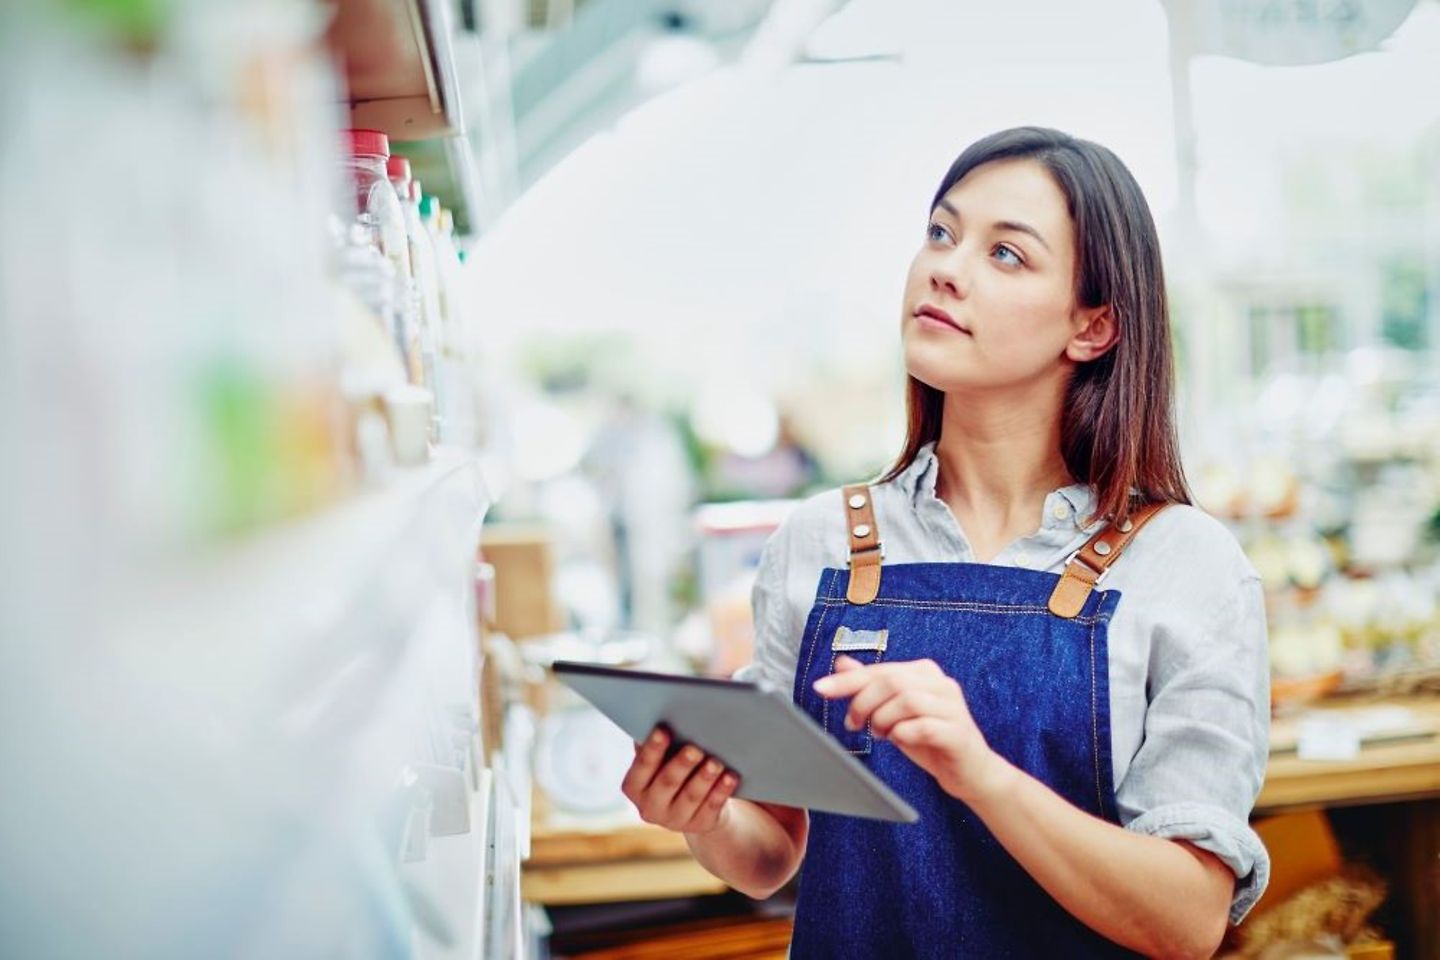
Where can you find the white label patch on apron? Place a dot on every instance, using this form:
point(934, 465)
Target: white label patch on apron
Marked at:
point(847, 639)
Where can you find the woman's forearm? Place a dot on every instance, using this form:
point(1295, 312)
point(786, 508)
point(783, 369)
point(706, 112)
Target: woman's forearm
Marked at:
point(755, 848)
point(1158, 897)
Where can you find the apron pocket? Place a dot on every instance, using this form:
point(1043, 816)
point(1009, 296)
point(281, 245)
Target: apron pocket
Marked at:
point(867, 646)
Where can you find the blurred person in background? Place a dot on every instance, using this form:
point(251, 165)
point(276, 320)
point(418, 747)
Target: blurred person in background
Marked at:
point(1023, 627)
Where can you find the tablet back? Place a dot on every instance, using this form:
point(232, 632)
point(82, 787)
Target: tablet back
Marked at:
point(781, 755)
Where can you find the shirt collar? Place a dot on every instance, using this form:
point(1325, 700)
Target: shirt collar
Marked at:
point(918, 483)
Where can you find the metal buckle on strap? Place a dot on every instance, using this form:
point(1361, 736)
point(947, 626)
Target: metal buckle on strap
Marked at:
point(1074, 557)
point(879, 546)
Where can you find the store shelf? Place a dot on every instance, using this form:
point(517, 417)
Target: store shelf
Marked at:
point(446, 168)
point(399, 66)
point(398, 61)
point(1381, 773)
point(263, 625)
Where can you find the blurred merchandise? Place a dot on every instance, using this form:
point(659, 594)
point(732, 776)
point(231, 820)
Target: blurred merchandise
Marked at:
point(1342, 533)
point(579, 755)
point(1316, 905)
point(240, 654)
point(523, 558)
point(732, 536)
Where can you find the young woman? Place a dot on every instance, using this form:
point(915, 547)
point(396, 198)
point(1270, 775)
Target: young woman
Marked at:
point(1023, 627)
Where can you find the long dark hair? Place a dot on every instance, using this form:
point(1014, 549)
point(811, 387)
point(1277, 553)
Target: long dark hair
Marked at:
point(1117, 431)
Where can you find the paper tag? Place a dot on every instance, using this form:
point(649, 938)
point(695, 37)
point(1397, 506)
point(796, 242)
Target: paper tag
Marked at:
point(1328, 737)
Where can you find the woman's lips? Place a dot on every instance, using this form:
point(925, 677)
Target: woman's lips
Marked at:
point(934, 316)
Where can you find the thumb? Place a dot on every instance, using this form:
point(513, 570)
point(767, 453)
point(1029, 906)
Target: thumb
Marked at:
point(847, 663)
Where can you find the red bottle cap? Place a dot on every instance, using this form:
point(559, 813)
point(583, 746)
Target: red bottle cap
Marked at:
point(398, 168)
point(368, 143)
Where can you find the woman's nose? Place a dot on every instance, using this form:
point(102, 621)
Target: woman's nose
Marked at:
point(949, 275)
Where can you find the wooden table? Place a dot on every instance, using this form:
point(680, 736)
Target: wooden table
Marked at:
point(639, 862)
point(1382, 773)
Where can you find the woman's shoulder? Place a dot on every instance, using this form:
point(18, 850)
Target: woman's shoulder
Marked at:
point(816, 520)
point(1193, 544)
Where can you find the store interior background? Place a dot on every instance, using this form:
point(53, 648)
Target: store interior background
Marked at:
point(682, 228)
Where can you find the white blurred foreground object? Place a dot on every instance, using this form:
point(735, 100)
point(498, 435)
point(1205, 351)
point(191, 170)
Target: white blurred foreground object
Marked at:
point(238, 709)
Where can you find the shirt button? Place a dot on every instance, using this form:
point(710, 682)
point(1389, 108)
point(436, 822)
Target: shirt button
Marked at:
point(1022, 559)
point(1061, 511)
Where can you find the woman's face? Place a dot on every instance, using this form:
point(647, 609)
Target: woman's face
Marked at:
point(990, 297)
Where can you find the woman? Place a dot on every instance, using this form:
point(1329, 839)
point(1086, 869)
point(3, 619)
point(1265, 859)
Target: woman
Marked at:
point(1078, 709)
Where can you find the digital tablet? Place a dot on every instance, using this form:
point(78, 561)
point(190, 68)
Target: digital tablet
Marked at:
point(780, 754)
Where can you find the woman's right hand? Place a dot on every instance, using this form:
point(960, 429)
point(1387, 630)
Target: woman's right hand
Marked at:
point(688, 793)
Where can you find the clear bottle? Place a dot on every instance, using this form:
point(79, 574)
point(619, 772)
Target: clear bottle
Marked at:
point(458, 360)
point(378, 210)
point(426, 286)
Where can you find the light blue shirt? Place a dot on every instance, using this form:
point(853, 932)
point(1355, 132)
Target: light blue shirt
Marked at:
point(1189, 664)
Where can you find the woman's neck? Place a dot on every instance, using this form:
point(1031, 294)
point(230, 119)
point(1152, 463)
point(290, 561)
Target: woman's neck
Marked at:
point(999, 459)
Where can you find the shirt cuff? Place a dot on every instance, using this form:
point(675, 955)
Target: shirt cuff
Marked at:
point(1221, 833)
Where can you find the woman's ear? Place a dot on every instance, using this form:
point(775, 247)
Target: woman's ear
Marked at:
point(1097, 331)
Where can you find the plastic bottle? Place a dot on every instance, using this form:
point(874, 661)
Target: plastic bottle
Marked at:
point(425, 289)
point(378, 210)
point(458, 370)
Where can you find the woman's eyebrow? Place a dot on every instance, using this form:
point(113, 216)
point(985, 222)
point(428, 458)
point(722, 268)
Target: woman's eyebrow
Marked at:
point(1014, 225)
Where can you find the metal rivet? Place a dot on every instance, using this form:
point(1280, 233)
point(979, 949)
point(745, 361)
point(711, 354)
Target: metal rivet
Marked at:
point(857, 501)
point(862, 530)
point(1126, 526)
point(1102, 548)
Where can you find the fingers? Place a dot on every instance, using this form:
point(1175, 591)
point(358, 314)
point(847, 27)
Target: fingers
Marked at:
point(648, 758)
point(696, 789)
point(686, 793)
point(915, 732)
point(710, 809)
point(850, 680)
point(883, 694)
point(667, 783)
point(903, 706)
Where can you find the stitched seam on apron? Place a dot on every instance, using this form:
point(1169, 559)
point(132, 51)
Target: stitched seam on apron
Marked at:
point(819, 630)
point(869, 724)
point(1095, 721)
point(1016, 610)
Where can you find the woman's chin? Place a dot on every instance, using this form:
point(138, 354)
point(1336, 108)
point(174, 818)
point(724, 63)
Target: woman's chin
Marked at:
point(936, 374)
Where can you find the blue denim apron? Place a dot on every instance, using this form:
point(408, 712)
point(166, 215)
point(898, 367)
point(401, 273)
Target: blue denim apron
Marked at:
point(1037, 686)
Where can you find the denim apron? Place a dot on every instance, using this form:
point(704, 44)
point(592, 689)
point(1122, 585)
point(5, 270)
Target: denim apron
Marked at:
point(1037, 686)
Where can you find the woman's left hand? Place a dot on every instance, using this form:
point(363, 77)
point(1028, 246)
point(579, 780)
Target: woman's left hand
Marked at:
point(915, 706)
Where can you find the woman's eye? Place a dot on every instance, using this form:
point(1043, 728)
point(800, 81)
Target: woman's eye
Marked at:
point(1002, 251)
point(937, 234)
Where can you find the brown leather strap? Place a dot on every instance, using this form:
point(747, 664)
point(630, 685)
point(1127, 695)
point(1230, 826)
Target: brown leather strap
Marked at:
point(866, 550)
point(1091, 562)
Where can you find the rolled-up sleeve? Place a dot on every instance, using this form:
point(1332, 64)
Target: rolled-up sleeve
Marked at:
point(1202, 761)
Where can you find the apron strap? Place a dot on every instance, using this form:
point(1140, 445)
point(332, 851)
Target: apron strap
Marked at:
point(1090, 564)
point(867, 550)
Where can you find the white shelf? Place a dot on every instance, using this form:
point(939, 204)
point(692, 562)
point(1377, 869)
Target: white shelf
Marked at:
point(287, 608)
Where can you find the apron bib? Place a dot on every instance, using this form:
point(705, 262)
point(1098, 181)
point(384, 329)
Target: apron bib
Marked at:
point(1029, 650)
